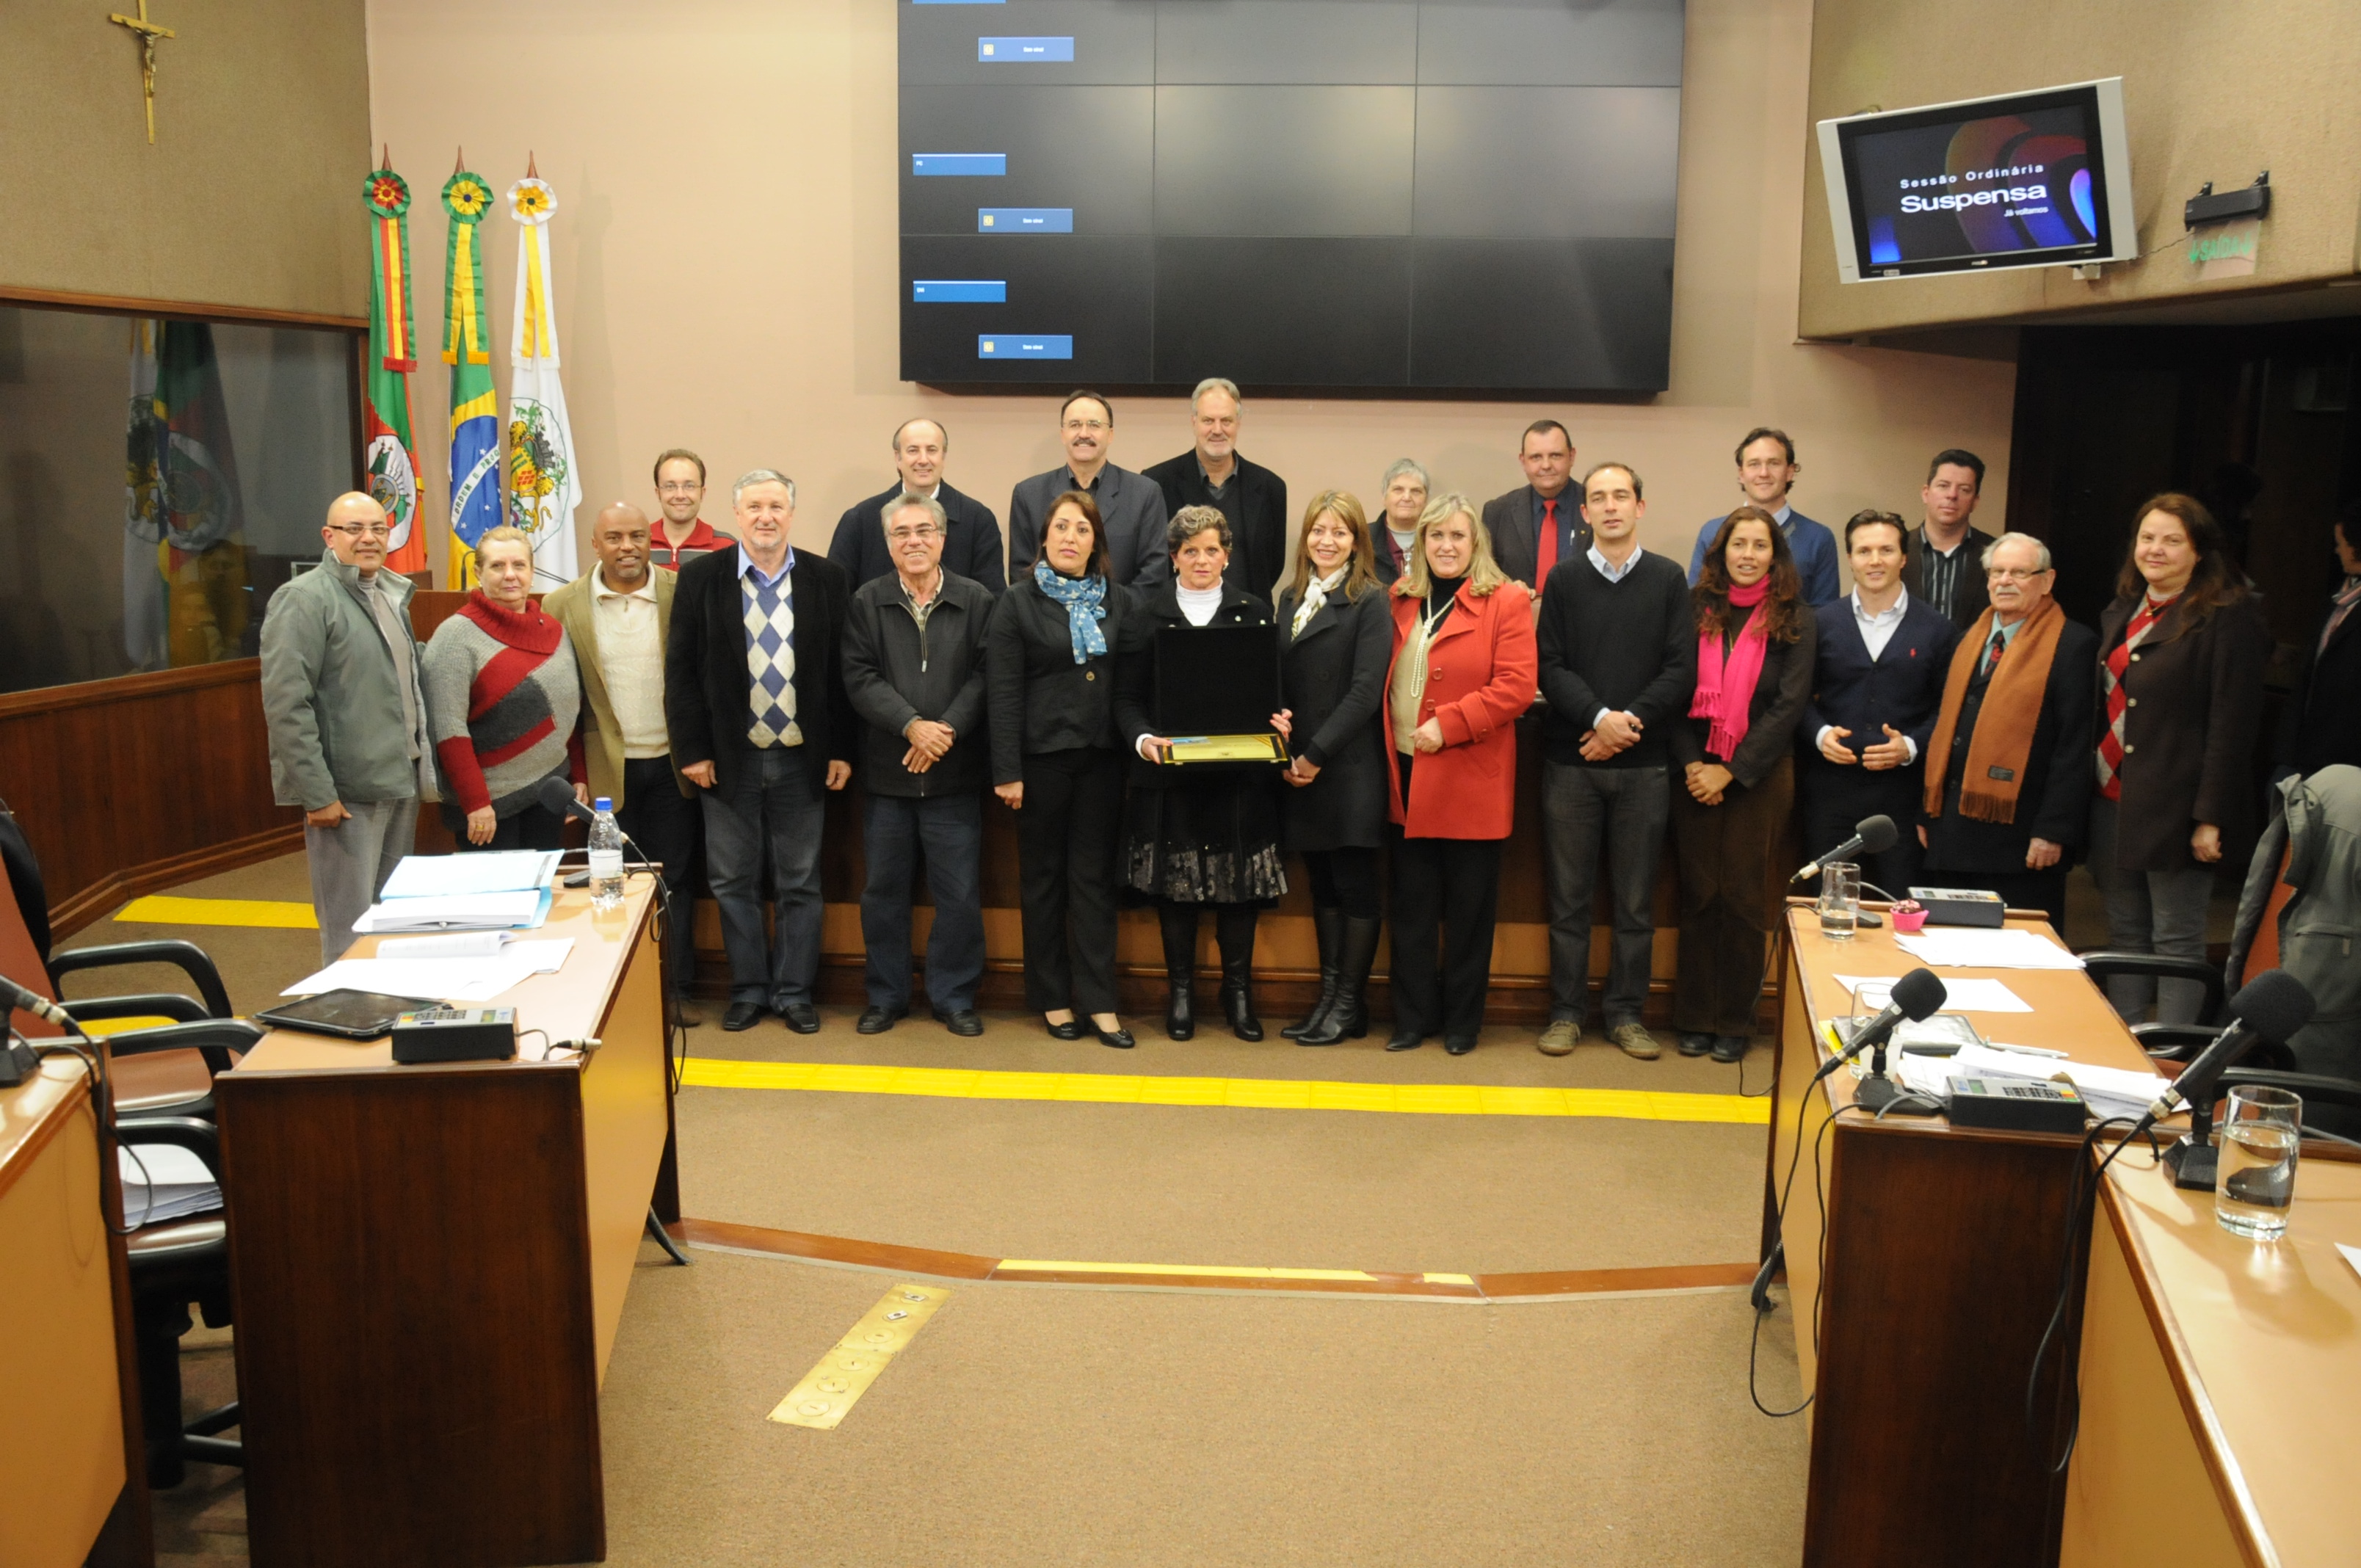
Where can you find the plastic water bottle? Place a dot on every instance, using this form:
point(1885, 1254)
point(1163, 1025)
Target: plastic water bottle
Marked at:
point(606, 857)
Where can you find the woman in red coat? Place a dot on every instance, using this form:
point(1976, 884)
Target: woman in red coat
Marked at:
point(1463, 670)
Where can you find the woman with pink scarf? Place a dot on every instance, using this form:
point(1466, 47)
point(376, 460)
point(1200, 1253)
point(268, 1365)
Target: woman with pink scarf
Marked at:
point(1755, 653)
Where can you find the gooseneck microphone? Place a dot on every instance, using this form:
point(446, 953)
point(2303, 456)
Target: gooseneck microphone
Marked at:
point(1916, 996)
point(557, 795)
point(1874, 835)
point(14, 996)
point(2271, 1007)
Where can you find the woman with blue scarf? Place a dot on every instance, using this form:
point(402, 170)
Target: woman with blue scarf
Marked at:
point(1056, 762)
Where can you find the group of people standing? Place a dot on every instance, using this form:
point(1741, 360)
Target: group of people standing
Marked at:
point(714, 686)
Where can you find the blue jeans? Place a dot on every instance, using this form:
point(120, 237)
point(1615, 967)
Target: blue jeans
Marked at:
point(950, 828)
point(775, 807)
point(1627, 808)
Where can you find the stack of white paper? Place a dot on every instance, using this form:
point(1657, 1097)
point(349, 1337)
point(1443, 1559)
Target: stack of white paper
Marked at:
point(518, 909)
point(1987, 949)
point(548, 954)
point(1959, 995)
point(2108, 1090)
point(480, 870)
point(164, 1181)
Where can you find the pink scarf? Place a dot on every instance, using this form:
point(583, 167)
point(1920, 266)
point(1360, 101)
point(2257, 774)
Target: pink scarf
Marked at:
point(1725, 688)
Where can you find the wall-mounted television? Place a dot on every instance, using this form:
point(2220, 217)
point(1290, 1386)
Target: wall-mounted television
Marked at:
point(2039, 179)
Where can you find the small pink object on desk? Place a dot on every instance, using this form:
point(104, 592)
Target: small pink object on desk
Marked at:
point(1908, 916)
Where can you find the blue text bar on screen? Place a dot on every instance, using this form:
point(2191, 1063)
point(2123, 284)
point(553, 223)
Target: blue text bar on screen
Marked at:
point(1024, 220)
point(1013, 346)
point(957, 292)
point(950, 163)
point(1048, 50)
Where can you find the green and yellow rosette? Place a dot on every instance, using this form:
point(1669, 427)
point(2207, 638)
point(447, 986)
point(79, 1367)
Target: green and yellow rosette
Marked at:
point(466, 198)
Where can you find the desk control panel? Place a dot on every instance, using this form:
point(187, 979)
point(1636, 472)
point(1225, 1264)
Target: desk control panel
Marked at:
point(2014, 1107)
point(456, 1033)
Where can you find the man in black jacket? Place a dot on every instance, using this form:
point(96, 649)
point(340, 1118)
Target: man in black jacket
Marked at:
point(1619, 665)
point(971, 544)
point(1213, 475)
point(1942, 561)
point(914, 648)
point(754, 702)
point(2010, 762)
point(2322, 723)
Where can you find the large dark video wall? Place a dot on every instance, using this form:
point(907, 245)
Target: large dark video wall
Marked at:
point(1408, 195)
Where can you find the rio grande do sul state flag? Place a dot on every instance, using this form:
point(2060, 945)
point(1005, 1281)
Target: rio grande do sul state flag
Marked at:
point(544, 485)
point(388, 454)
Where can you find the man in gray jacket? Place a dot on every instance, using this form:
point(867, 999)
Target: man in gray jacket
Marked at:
point(347, 722)
point(914, 671)
point(1131, 507)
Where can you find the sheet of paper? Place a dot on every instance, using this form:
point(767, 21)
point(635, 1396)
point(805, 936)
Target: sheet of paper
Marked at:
point(478, 871)
point(181, 1184)
point(515, 910)
point(2108, 1090)
point(444, 944)
point(1960, 995)
point(447, 979)
point(1987, 949)
point(2351, 1256)
point(547, 955)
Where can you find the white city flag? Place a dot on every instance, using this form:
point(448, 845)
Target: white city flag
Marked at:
point(544, 485)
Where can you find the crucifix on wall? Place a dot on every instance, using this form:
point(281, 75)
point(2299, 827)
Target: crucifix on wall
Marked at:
point(146, 32)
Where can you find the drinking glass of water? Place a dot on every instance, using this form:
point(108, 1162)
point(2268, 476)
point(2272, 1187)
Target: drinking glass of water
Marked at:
point(2254, 1181)
point(1840, 900)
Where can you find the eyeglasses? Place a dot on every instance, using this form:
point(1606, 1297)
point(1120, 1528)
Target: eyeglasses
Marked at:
point(2014, 573)
point(363, 530)
point(904, 536)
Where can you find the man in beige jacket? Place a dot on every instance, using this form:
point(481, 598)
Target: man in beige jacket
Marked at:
point(617, 615)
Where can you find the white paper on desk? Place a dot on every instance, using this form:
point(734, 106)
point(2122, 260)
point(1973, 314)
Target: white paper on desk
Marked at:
point(2351, 1256)
point(2107, 1090)
point(478, 871)
point(547, 954)
point(163, 1181)
point(460, 912)
point(1987, 949)
point(1960, 995)
point(446, 980)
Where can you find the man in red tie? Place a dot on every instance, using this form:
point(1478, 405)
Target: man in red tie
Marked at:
point(1539, 524)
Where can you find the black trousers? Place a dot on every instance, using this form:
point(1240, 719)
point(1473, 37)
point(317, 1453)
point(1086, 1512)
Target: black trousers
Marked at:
point(534, 827)
point(1826, 817)
point(1726, 899)
point(667, 826)
point(1068, 834)
point(1446, 891)
point(1345, 878)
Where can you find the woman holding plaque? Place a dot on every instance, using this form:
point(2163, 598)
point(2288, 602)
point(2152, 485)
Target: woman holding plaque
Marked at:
point(1197, 835)
point(1050, 678)
point(1757, 643)
point(1336, 637)
point(1463, 666)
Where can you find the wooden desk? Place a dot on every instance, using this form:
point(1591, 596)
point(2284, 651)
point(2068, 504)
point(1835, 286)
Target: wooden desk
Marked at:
point(430, 1263)
point(1939, 1269)
point(63, 1416)
point(2218, 1378)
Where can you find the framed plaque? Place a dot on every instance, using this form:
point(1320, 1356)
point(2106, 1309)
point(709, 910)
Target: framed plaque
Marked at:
point(1216, 688)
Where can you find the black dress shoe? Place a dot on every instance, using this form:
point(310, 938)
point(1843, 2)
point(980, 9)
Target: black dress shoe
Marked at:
point(1459, 1045)
point(742, 1015)
point(1118, 1036)
point(1405, 1040)
point(802, 1017)
point(965, 1021)
point(1071, 1029)
point(877, 1020)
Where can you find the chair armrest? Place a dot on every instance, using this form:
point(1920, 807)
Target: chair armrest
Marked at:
point(187, 956)
point(2174, 1042)
point(2106, 961)
point(2312, 1086)
point(217, 1038)
point(154, 1005)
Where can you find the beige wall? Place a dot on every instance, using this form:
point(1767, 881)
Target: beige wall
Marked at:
point(2211, 91)
point(251, 194)
point(725, 252)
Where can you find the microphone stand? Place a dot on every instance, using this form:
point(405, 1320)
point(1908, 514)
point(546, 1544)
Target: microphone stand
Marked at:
point(2193, 1161)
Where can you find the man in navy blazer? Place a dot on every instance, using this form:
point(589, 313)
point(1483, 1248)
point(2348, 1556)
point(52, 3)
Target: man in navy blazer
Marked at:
point(972, 545)
point(1875, 695)
point(1766, 470)
point(1130, 505)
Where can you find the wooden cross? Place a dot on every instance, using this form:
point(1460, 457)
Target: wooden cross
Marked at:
point(147, 33)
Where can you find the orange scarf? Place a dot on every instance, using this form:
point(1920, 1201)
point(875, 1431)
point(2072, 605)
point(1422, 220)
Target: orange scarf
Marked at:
point(2004, 724)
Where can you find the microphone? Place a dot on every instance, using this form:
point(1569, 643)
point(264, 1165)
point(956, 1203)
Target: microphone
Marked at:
point(1916, 997)
point(2271, 1007)
point(556, 794)
point(14, 996)
point(1873, 834)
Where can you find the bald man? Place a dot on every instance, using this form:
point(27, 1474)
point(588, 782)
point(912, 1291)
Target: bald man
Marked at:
point(348, 728)
point(617, 616)
point(971, 543)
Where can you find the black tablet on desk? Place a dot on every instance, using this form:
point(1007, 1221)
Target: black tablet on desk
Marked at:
point(348, 1014)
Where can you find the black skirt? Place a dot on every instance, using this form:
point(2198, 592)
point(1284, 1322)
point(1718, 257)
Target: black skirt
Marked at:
point(1207, 838)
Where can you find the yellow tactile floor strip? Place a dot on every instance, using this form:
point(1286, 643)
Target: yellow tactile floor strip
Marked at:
point(1258, 1093)
point(163, 909)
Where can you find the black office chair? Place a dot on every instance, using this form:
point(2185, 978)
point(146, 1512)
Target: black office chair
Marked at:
point(2331, 1105)
point(173, 1264)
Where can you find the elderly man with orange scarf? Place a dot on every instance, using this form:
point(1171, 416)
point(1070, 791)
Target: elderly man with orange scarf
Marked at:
point(2008, 785)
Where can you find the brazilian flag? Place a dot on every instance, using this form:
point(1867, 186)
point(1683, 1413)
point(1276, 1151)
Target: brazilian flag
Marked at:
point(475, 412)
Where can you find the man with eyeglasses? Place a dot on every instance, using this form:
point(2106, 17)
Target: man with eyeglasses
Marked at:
point(971, 534)
point(2007, 794)
point(914, 650)
point(1130, 504)
point(1215, 473)
point(347, 716)
point(682, 535)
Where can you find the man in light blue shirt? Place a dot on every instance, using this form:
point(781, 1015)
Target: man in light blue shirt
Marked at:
point(1766, 468)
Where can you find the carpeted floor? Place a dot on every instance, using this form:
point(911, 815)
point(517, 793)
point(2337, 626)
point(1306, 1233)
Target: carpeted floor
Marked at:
point(1038, 1423)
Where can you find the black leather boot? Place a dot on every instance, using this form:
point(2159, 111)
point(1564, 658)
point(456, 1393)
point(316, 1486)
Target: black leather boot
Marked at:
point(1328, 925)
point(1180, 924)
point(1347, 1017)
point(1234, 929)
